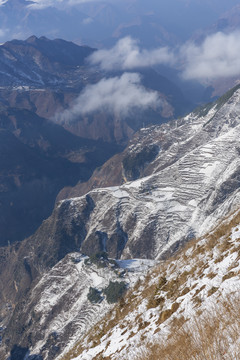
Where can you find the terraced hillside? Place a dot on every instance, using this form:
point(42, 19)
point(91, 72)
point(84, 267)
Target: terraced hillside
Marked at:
point(190, 181)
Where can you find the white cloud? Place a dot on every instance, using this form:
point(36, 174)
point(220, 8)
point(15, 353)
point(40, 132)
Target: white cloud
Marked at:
point(87, 21)
point(117, 95)
point(2, 2)
point(217, 57)
point(126, 55)
point(76, 2)
point(3, 32)
point(41, 4)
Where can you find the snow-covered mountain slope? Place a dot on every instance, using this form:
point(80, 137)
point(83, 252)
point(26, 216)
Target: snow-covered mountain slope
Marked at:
point(62, 303)
point(185, 308)
point(67, 301)
point(192, 183)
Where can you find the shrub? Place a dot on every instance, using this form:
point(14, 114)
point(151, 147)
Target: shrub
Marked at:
point(94, 295)
point(100, 259)
point(114, 291)
point(98, 256)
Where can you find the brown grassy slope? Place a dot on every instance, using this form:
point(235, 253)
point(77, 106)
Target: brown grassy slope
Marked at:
point(209, 333)
point(209, 337)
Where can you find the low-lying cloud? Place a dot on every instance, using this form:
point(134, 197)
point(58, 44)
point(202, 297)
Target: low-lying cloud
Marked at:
point(217, 57)
point(127, 55)
point(118, 95)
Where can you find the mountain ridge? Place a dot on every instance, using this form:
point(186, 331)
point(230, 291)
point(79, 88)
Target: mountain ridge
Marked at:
point(192, 184)
point(47, 76)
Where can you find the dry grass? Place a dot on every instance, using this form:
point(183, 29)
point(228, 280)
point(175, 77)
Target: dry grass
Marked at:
point(125, 306)
point(223, 231)
point(211, 275)
point(142, 324)
point(229, 275)
point(197, 300)
point(199, 290)
point(212, 290)
point(225, 228)
point(204, 338)
point(185, 291)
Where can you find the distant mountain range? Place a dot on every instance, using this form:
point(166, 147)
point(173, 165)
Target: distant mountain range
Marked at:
point(100, 22)
point(46, 76)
